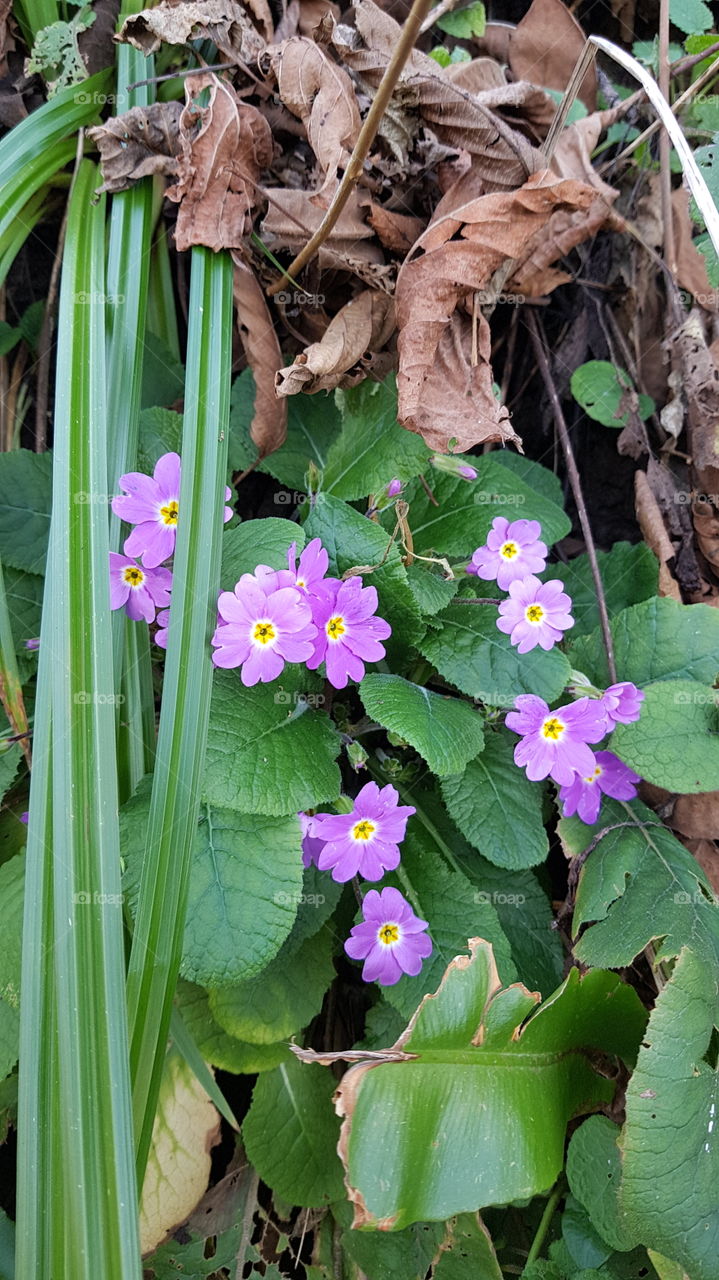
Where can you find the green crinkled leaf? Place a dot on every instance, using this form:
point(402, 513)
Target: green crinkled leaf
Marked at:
point(399, 1255)
point(372, 447)
point(316, 902)
point(656, 640)
point(160, 433)
point(474, 1077)
point(256, 542)
point(290, 1134)
point(675, 741)
point(445, 731)
point(669, 1144)
point(268, 750)
point(25, 501)
point(630, 574)
point(594, 1172)
point(584, 1243)
point(9, 763)
point(466, 647)
point(639, 885)
point(351, 541)
point(601, 389)
point(521, 904)
point(245, 882)
point(539, 479)
point(690, 16)
point(312, 425)
point(282, 999)
point(466, 509)
point(497, 808)
point(455, 912)
point(215, 1045)
point(12, 884)
point(431, 592)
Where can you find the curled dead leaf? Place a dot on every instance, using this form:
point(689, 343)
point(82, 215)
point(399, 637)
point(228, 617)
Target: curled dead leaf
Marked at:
point(700, 386)
point(141, 142)
point(543, 48)
point(225, 146)
point(321, 95)
point(655, 535)
point(691, 265)
point(397, 231)
point(360, 329)
point(223, 22)
point(269, 420)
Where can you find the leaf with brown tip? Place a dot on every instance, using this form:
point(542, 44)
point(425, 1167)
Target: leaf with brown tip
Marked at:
point(269, 420)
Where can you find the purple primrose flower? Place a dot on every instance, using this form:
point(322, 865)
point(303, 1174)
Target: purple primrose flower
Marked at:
point(622, 703)
point(554, 743)
point(139, 589)
point(259, 632)
point(391, 939)
point(511, 551)
point(163, 622)
point(610, 776)
point(152, 504)
point(536, 613)
point(366, 841)
point(311, 846)
point(349, 633)
point(309, 575)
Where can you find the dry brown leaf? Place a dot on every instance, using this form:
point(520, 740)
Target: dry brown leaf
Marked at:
point(363, 326)
point(545, 47)
point(700, 384)
point(396, 231)
point(262, 349)
point(223, 22)
point(706, 853)
point(655, 535)
point(691, 266)
point(220, 166)
point(697, 817)
point(293, 216)
point(321, 95)
point(141, 142)
point(706, 525)
point(457, 117)
point(493, 228)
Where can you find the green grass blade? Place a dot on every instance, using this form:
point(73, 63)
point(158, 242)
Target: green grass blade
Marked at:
point(87, 1186)
point(159, 925)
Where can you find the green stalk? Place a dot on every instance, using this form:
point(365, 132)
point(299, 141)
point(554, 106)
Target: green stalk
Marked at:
point(174, 807)
point(10, 686)
point(83, 1210)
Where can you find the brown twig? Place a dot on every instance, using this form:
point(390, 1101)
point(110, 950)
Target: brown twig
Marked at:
point(367, 133)
point(665, 146)
point(575, 482)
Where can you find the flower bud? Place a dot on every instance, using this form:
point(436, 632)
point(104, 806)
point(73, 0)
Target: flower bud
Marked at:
point(454, 465)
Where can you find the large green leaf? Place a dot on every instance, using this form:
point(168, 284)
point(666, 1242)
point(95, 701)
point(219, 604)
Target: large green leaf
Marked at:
point(245, 885)
point(467, 649)
point(160, 432)
point(399, 1255)
point(594, 1172)
point(497, 808)
point(431, 591)
point(465, 511)
point(670, 1151)
point(656, 640)
point(629, 573)
point(312, 425)
point(216, 1045)
point(354, 541)
point(268, 750)
point(445, 731)
point(539, 479)
point(372, 448)
point(282, 999)
point(426, 1137)
point(25, 500)
point(675, 743)
point(12, 880)
point(640, 885)
point(257, 542)
point(290, 1134)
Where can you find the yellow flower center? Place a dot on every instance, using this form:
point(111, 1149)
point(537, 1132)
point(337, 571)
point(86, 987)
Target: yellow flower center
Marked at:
point(534, 613)
point(169, 513)
point(388, 934)
point(335, 628)
point(553, 728)
point(134, 576)
point(264, 633)
point(363, 830)
point(595, 775)
point(509, 550)
point(301, 582)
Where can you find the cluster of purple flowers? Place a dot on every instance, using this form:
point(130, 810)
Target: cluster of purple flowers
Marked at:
point(297, 614)
point(555, 744)
point(138, 583)
point(536, 613)
point(391, 939)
